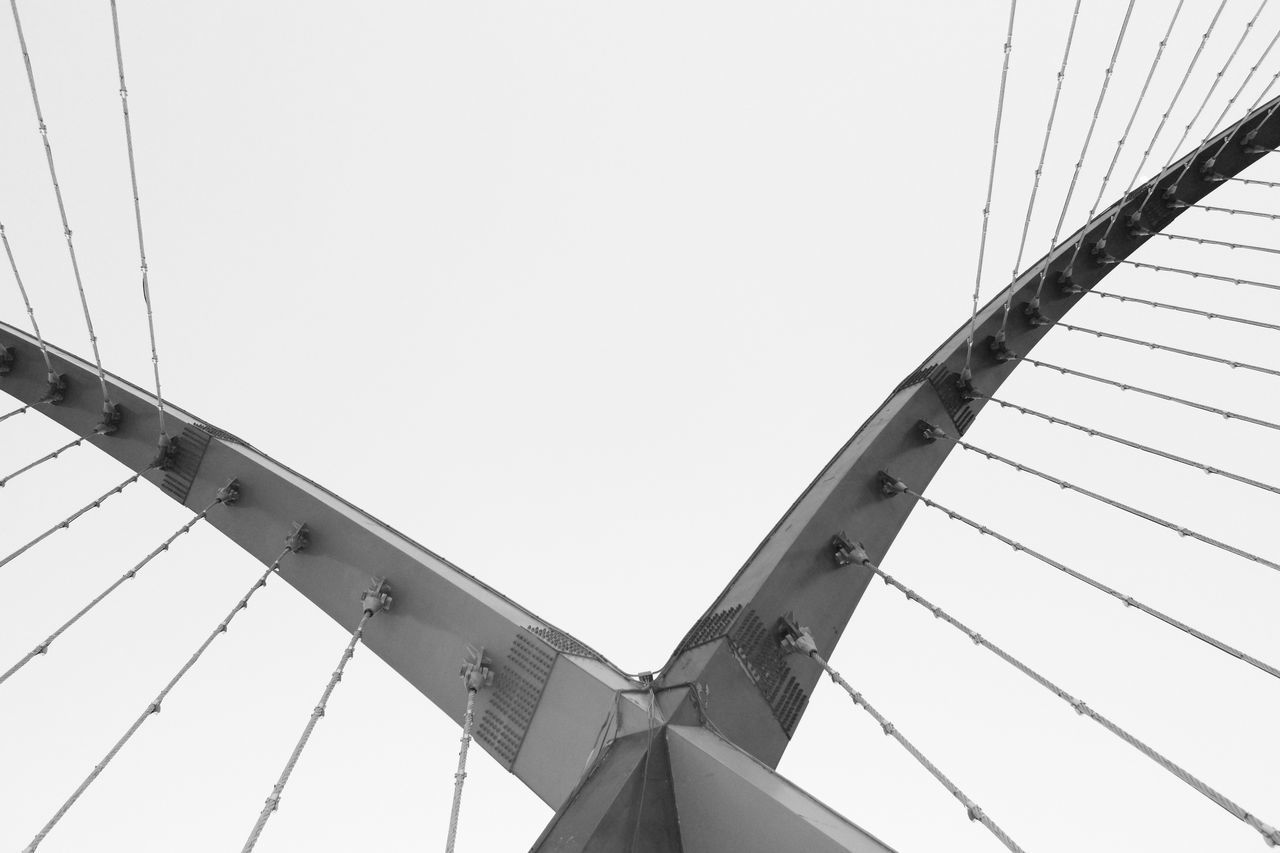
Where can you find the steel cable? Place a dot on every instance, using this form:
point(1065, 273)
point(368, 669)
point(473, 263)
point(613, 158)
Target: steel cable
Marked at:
point(1164, 454)
point(991, 180)
point(1044, 150)
point(154, 707)
point(26, 301)
point(1206, 275)
point(1271, 184)
point(974, 811)
point(66, 522)
point(1182, 309)
point(137, 213)
point(62, 208)
point(1100, 498)
point(1234, 212)
point(1205, 241)
point(1124, 386)
point(1164, 348)
point(4, 481)
point(43, 647)
point(1269, 834)
point(1084, 150)
point(21, 410)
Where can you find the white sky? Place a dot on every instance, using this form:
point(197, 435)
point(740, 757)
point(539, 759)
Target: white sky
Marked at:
point(581, 296)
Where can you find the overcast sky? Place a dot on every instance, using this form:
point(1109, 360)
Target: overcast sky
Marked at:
point(581, 296)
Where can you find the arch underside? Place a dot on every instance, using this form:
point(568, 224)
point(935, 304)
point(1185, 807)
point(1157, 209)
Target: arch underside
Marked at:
point(553, 692)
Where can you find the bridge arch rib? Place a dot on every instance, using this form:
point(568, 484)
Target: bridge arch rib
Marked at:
point(527, 722)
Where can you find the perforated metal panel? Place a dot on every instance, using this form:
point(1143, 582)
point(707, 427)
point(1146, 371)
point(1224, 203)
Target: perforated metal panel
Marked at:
point(757, 647)
point(517, 687)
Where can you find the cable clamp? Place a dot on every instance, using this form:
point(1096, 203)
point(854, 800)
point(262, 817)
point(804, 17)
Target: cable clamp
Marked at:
point(476, 674)
point(7, 359)
point(111, 417)
point(1079, 706)
point(230, 493)
point(974, 811)
point(890, 485)
point(377, 597)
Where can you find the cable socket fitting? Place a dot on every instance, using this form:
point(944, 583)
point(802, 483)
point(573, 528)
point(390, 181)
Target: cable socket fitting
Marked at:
point(230, 493)
point(7, 359)
point(166, 453)
point(846, 551)
point(111, 418)
point(56, 391)
point(1134, 223)
point(299, 537)
point(377, 597)
point(929, 432)
point(476, 674)
point(795, 638)
point(1035, 318)
point(891, 485)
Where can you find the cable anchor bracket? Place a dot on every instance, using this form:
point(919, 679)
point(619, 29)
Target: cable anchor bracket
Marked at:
point(891, 485)
point(847, 552)
point(166, 453)
point(7, 359)
point(299, 537)
point(377, 597)
point(111, 418)
point(230, 493)
point(56, 390)
point(476, 672)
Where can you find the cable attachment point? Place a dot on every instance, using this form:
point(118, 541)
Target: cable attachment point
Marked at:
point(1100, 254)
point(7, 359)
point(476, 674)
point(1208, 173)
point(1067, 282)
point(891, 485)
point(299, 537)
point(930, 432)
point(999, 347)
point(111, 417)
point(1171, 199)
point(1136, 228)
point(166, 453)
point(56, 391)
point(1031, 311)
point(964, 383)
point(795, 638)
point(230, 493)
point(377, 597)
point(846, 551)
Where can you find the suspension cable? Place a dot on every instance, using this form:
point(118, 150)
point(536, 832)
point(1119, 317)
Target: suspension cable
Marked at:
point(1084, 150)
point(1256, 103)
point(1128, 128)
point(4, 481)
point(1206, 241)
point(1186, 167)
point(43, 647)
point(26, 301)
point(1044, 150)
point(935, 432)
point(137, 213)
point(1208, 315)
point(154, 706)
point(66, 522)
point(1269, 834)
point(1164, 454)
point(1186, 131)
point(1234, 212)
point(18, 411)
point(991, 181)
point(1124, 386)
point(1206, 275)
point(803, 642)
point(1164, 117)
point(374, 601)
point(1255, 182)
point(1163, 348)
point(62, 208)
point(475, 676)
point(1126, 600)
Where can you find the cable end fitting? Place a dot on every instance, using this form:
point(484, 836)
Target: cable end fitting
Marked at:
point(1031, 311)
point(1067, 281)
point(299, 537)
point(230, 493)
point(929, 432)
point(999, 348)
point(1100, 254)
point(476, 674)
point(890, 485)
point(846, 551)
point(111, 418)
point(377, 597)
point(166, 453)
point(56, 392)
point(795, 638)
point(7, 358)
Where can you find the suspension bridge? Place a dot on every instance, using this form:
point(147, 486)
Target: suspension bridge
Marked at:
point(684, 755)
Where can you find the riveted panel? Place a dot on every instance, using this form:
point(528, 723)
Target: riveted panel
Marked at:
point(562, 642)
point(517, 687)
point(710, 627)
point(186, 463)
